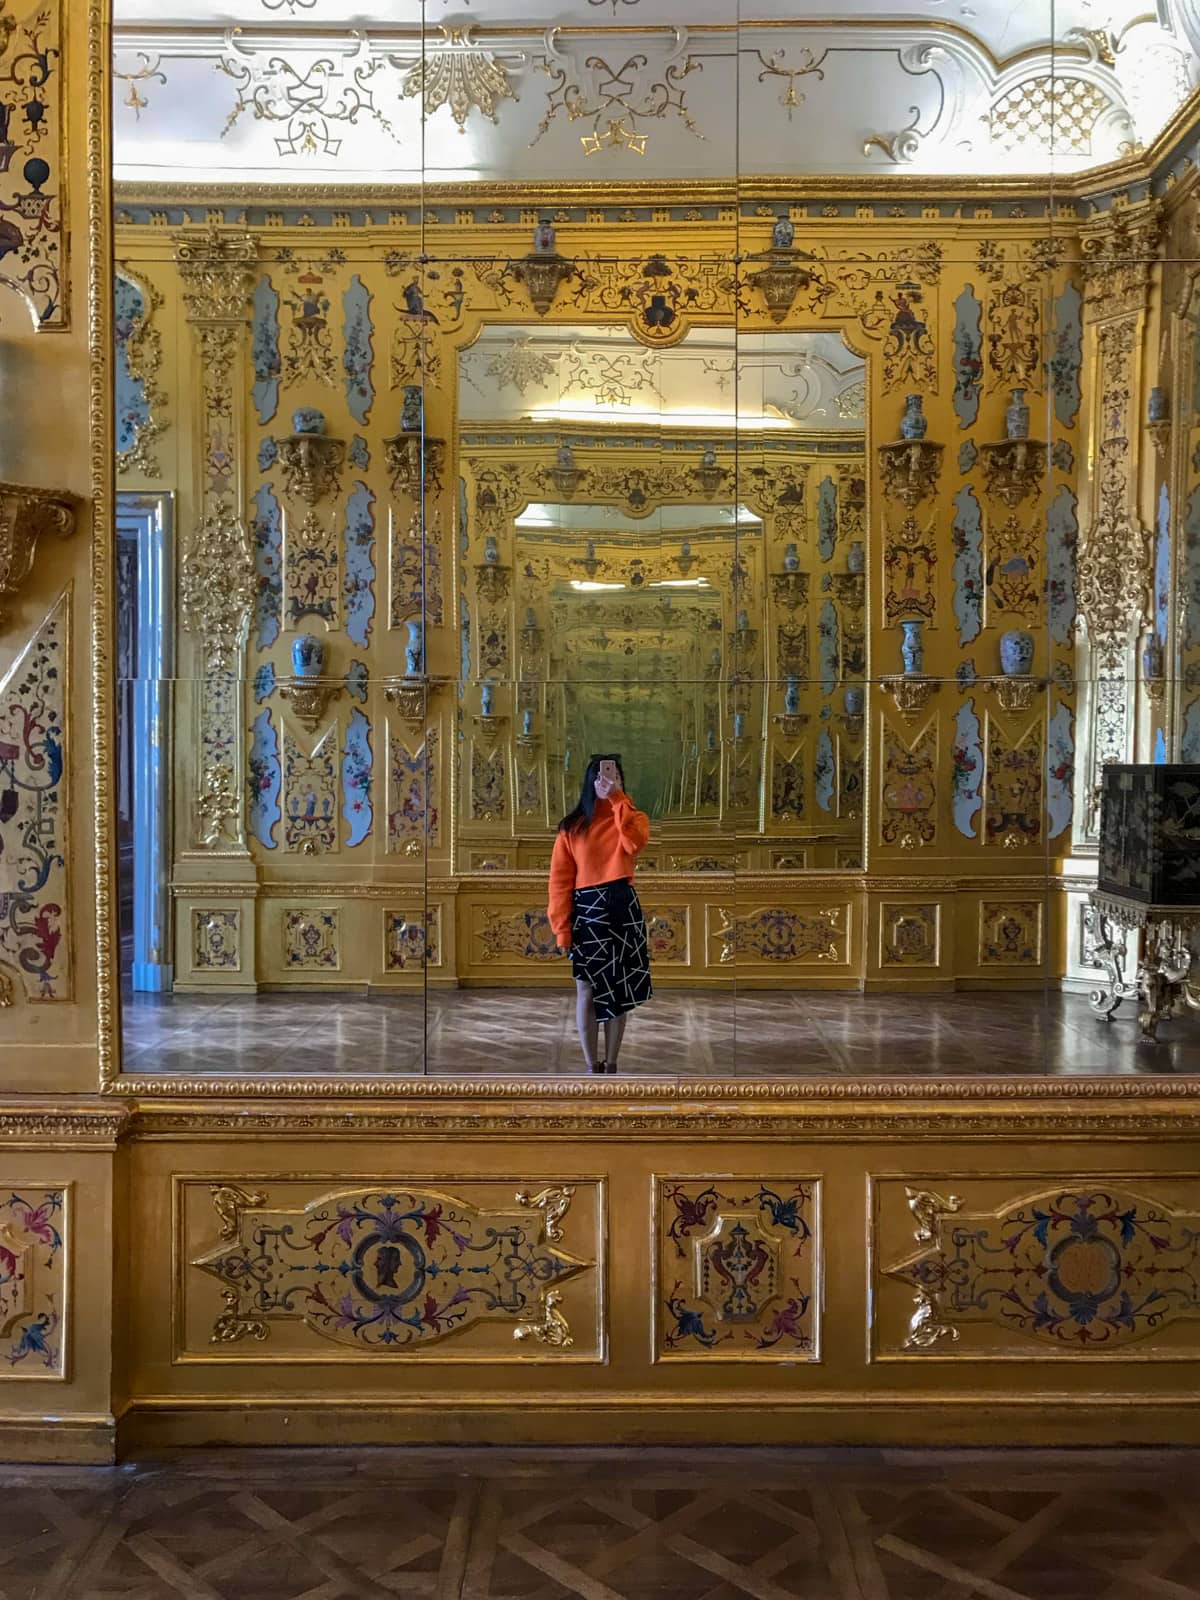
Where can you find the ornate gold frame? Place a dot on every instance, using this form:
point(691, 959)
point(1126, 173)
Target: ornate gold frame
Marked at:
point(742, 1108)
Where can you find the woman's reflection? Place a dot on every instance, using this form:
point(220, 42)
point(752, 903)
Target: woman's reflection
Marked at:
point(594, 908)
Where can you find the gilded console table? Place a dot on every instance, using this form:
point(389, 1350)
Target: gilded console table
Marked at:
point(1166, 941)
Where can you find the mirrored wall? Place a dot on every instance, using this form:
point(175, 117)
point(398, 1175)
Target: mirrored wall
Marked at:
point(497, 394)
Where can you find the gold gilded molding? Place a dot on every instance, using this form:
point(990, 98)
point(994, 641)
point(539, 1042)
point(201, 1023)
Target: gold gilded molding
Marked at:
point(25, 516)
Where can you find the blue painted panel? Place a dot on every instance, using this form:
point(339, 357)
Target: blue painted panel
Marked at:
point(132, 407)
point(967, 570)
point(1162, 566)
point(967, 800)
point(1066, 363)
point(968, 356)
point(1062, 542)
point(1060, 771)
point(268, 563)
point(265, 780)
point(268, 453)
point(264, 682)
point(359, 582)
point(1160, 748)
point(359, 355)
point(357, 763)
point(827, 518)
point(359, 454)
point(968, 455)
point(825, 771)
point(267, 364)
point(356, 681)
point(827, 647)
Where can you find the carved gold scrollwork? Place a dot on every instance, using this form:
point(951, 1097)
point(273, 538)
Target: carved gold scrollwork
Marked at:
point(553, 1204)
point(25, 515)
point(542, 276)
point(551, 1328)
point(310, 698)
point(311, 463)
point(910, 470)
point(911, 694)
point(217, 271)
point(409, 699)
point(779, 282)
point(926, 1326)
point(217, 585)
point(229, 1202)
point(1013, 469)
point(232, 1325)
point(414, 458)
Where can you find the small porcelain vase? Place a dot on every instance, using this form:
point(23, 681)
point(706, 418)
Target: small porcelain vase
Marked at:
point(710, 738)
point(912, 649)
point(856, 557)
point(783, 234)
point(739, 724)
point(308, 420)
point(544, 241)
point(487, 699)
point(527, 724)
point(791, 558)
point(491, 550)
point(414, 655)
point(308, 656)
point(854, 700)
point(530, 617)
point(1159, 407)
point(791, 698)
point(1016, 653)
point(1152, 659)
point(1016, 418)
point(410, 415)
point(914, 421)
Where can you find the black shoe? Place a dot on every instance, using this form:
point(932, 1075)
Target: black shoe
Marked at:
point(600, 1067)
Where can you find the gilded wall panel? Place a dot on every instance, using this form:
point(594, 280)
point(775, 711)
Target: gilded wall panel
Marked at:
point(1010, 1266)
point(34, 233)
point(1010, 933)
point(33, 1281)
point(738, 1269)
point(910, 934)
point(392, 1269)
point(770, 935)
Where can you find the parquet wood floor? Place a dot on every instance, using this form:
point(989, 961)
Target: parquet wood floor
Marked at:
point(608, 1525)
point(734, 1033)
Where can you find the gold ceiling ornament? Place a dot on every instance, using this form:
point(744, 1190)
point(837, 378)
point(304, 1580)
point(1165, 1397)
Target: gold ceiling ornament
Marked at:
point(910, 470)
point(459, 73)
point(311, 463)
point(217, 268)
point(218, 584)
point(1013, 469)
point(25, 515)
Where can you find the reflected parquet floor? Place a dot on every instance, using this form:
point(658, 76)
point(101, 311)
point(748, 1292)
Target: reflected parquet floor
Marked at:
point(751, 1033)
point(642, 1524)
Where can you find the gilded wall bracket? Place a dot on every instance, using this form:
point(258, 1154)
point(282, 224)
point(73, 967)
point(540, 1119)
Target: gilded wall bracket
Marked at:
point(414, 459)
point(1013, 469)
point(785, 273)
point(911, 693)
point(311, 464)
point(910, 470)
point(25, 515)
point(310, 698)
point(542, 275)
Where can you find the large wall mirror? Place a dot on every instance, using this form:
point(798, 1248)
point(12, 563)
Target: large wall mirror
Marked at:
point(485, 406)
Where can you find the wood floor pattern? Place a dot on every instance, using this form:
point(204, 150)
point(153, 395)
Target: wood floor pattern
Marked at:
point(644, 1524)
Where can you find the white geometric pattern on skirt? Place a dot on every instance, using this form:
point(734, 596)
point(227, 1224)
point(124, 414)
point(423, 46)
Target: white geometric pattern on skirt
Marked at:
point(608, 947)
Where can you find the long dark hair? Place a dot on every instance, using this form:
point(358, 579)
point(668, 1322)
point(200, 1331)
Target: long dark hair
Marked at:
point(580, 820)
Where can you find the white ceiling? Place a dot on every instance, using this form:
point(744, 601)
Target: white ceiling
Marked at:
point(270, 91)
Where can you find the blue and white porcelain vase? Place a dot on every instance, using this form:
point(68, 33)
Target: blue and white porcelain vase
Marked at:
point(914, 421)
point(491, 550)
point(1159, 407)
point(527, 724)
point(1016, 418)
point(1152, 659)
point(791, 558)
point(410, 416)
point(1016, 653)
point(912, 648)
point(414, 655)
point(487, 699)
point(856, 559)
point(308, 656)
point(791, 697)
point(307, 419)
point(854, 700)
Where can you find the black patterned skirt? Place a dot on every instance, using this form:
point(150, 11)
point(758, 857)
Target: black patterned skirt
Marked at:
point(608, 947)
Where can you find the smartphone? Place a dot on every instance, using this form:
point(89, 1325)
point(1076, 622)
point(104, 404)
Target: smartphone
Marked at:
point(608, 770)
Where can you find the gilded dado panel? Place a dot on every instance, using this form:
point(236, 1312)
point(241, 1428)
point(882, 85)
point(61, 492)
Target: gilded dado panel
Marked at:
point(308, 1271)
point(34, 1281)
point(1026, 1266)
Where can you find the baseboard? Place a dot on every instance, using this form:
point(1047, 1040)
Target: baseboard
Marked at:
point(972, 1420)
point(59, 1441)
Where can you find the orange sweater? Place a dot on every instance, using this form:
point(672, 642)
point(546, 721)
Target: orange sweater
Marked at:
point(606, 851)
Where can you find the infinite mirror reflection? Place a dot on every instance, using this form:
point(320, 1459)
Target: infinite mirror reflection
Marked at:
point(484, 402)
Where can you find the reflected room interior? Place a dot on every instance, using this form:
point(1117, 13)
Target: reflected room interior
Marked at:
point(429, 490)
